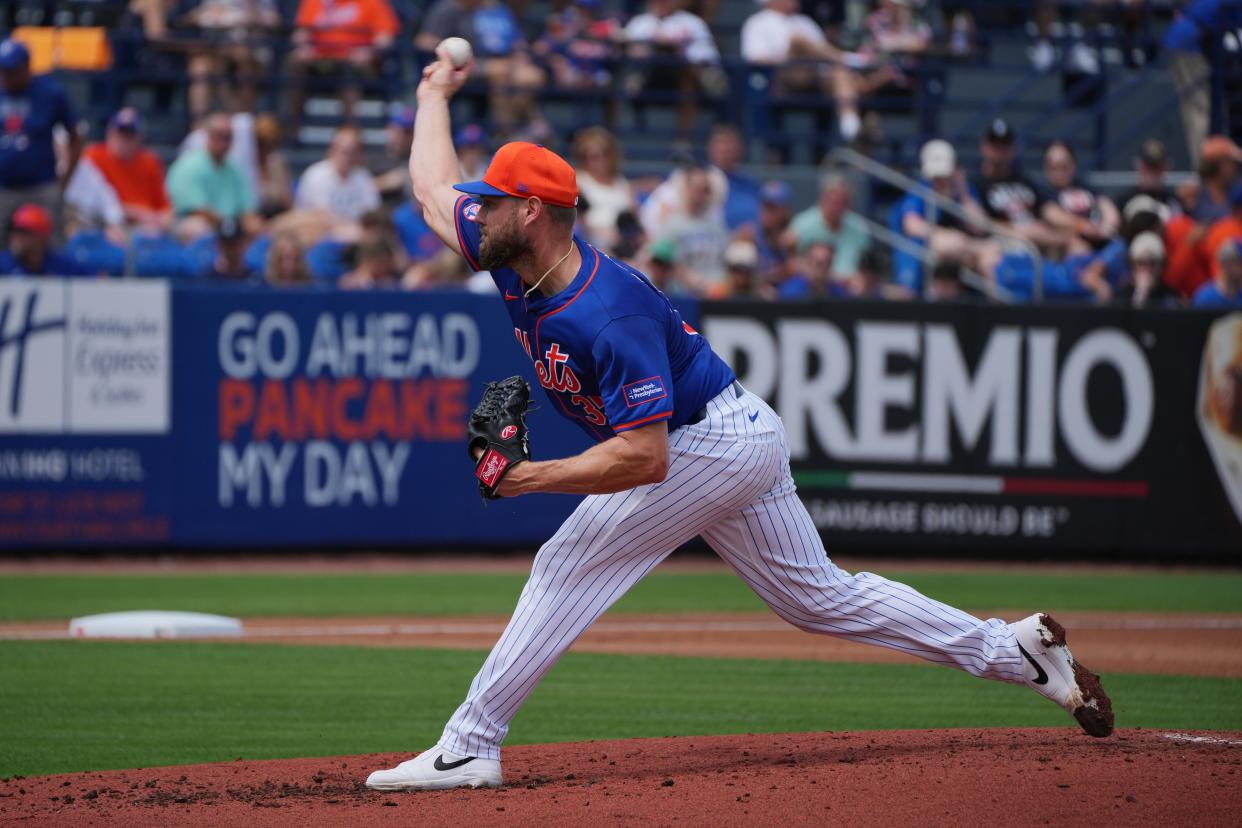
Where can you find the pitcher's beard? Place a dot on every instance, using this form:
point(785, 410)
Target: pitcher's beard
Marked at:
point(499, 248)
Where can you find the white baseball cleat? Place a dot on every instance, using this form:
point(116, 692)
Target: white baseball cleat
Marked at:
point(435, 770)
point(1052, 671)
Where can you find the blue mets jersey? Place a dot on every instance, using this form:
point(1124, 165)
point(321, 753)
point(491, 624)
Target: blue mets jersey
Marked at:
point(609, 350)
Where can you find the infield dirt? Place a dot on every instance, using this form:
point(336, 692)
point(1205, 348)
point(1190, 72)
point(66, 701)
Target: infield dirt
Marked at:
point(946, 777)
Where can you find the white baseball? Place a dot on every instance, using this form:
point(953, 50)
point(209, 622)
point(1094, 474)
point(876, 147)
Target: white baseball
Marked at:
point(459, 50)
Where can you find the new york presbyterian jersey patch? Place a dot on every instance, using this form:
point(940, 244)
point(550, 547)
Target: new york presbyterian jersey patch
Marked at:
point(609, 349)
point(644, 391)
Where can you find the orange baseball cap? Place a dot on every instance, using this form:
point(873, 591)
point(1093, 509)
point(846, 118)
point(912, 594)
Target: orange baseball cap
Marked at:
point(526, 170)
point(31, 218)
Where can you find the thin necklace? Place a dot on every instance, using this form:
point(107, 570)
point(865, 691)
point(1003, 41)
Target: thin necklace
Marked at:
point(550, 269)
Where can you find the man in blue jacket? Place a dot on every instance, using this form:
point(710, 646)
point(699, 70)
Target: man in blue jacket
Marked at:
point(31, 106)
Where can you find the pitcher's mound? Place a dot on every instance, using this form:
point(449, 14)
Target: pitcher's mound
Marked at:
point(941, 777)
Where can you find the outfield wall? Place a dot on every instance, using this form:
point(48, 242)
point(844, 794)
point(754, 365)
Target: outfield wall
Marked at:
point(150, 413)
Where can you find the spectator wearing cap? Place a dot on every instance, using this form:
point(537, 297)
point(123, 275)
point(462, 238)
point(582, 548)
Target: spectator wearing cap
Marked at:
point(831, 222)
point(726, 150)
point(742, 277)
point(1219, 157)
point(206, 187)
point(225, 64)
point(1091, 219)
point(1143, 285)
point(659, 262)
point(31, 106)
point(1008, 197)
point(275, 181)
point(1198, 261)
point(230, 264)
point(502, 56)
point(470, 141)
point(393, 179)
point(30, 250)
point(1150, 167)
point(339, 39)
point(338, 185)
point(1104, 274)
point(948, 237)
point(775, 214)
point(674, 51)
point(605, 191)
point(1225, 289)
point(133, 171)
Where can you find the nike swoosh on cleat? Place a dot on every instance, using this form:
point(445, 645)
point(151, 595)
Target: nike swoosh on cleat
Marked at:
point(1041, 678)
point(754, 416)
point(441, 765)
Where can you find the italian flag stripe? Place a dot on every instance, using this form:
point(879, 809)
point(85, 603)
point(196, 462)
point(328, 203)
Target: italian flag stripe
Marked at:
point(970, 484)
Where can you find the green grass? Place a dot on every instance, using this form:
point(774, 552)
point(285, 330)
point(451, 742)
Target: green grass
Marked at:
point(29, 597)
point(70, 705)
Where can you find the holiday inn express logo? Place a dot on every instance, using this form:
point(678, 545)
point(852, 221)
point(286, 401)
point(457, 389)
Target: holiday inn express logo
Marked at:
point(15, 341)
point(81, 357)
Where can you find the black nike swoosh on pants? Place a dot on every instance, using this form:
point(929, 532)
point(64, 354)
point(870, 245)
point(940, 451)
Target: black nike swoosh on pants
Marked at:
point(440, 764)
point(1041, 677)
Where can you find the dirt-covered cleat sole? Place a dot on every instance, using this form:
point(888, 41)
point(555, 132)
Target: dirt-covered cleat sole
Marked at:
point(1053, 672)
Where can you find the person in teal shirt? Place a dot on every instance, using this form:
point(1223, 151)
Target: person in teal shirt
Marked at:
point(830, 222)
point(207, 188)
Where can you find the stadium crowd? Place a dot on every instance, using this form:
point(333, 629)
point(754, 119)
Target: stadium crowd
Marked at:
point(229, 207)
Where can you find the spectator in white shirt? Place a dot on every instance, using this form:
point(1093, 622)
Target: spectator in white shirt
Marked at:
point(597, 160)
point(690, 214)
point(778, 36)
point(683, 58)
point(92, 203)
point(339, 184)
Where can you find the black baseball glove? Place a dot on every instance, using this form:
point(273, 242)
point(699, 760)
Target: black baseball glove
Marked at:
point(498, 427)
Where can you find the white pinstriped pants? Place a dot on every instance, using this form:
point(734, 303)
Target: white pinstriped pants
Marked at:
point(728, 481)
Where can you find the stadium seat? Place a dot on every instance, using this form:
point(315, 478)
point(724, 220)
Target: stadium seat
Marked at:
point(160, 256)
point(199, 255)
point(92, 250)
point(326, 262)
point(256, 253)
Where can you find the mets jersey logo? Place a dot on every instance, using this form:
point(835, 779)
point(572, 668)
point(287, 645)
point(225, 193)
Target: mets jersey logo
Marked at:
point(553, 368)
point(470, 211)
point(555, 375)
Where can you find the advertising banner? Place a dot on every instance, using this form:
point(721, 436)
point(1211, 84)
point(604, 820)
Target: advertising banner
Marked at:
point(143, 413)
point(340, 418)
point(968, 427)
point(85, 413)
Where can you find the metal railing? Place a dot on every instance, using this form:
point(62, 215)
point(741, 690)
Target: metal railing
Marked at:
point(844, 157)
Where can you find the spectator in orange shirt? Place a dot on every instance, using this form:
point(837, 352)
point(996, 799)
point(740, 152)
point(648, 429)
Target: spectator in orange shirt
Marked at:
point(1196, 262)
point(339, 39)
point(134, 172)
